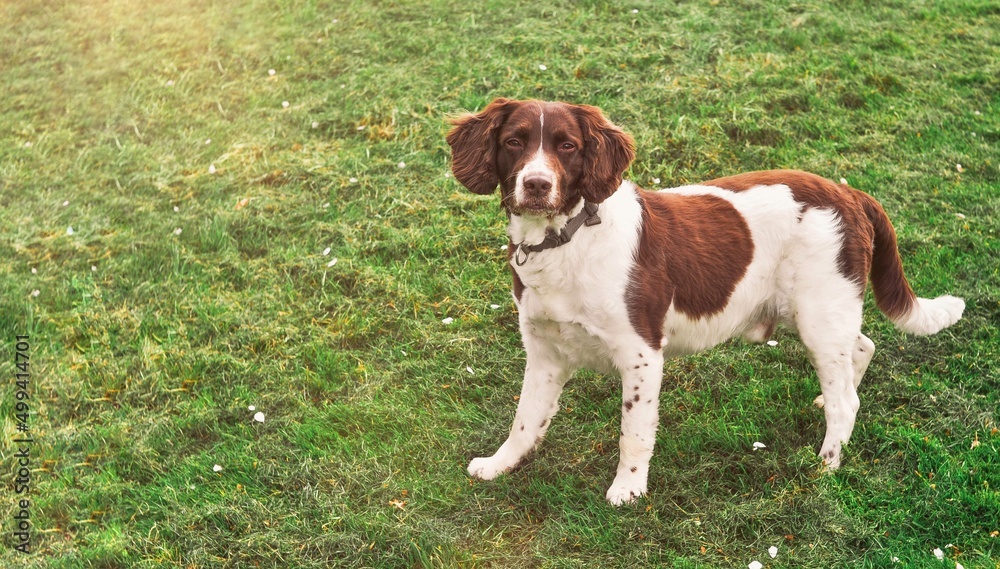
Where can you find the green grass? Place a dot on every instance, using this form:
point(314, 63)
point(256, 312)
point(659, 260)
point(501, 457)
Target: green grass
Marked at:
point(144, 367)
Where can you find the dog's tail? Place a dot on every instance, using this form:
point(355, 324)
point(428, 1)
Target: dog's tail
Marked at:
point(893, 295)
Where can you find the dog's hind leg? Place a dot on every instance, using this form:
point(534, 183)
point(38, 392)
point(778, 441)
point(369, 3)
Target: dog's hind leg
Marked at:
point(826, 305)
point(864, 349)
point(829, 326)
point(545, 374)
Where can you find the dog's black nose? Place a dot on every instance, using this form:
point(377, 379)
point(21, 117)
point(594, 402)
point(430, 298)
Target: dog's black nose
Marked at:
point(537, 186)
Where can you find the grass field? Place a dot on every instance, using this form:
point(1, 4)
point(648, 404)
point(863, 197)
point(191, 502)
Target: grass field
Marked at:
point(211, 205)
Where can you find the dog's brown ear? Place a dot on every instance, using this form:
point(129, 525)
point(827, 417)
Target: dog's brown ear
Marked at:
point(473, 141)
point(607, 152)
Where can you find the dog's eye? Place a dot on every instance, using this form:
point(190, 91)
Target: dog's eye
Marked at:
point(513, 143)
point(567, 146)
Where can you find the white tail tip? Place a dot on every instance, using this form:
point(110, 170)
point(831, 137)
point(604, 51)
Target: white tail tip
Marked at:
point(930, 316)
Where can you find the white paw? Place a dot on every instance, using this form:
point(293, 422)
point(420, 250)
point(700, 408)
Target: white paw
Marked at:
point(618, 495)
point(486, 468)
point(831, 459)
point(625, 491)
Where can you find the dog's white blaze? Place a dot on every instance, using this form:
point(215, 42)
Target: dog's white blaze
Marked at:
point(538, 166)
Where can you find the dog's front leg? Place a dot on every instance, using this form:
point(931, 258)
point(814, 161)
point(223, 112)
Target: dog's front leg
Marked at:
point(642, 373)
point(544, 377)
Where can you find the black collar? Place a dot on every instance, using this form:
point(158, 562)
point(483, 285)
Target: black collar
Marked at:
point(587, 216)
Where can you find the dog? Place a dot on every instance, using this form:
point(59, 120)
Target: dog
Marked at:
point(615, 278)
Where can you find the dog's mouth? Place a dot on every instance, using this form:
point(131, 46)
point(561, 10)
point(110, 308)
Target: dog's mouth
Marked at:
point(534, 208)
point(548, 213)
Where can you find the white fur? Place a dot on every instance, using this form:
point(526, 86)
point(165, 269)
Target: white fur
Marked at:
point(930, 316)
point(573, 314)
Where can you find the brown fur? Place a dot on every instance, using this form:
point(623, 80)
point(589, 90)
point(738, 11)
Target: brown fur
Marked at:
point(692, 252)
point(482, 157)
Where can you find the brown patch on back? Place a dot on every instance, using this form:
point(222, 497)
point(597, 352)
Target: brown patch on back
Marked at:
point(869, 240)
point(692, 251)
point(855, 255)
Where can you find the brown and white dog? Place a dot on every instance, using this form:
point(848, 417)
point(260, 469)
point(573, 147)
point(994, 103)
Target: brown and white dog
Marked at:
point(612, 277)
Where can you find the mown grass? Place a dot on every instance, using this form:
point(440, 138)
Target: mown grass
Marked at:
point(149, 345)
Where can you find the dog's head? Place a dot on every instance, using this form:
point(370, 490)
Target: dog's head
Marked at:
point(545, 156)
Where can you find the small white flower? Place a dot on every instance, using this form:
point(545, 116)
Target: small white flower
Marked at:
point(251, 408)
point(977, 113)
point(401, 165)
point(759, 445)
point(332, 262)
point(34, 270)
point(208, 141)
point(27, 144)
point(36, 292)
point(258, 416)
point(211, 168)
point(315, 124)
point(959, 565)
point(93, 268)
point(271, 72)
point(326, 205)
point(176, 209)
point(362, 127)
point(217, 468)
point(542, 67)
point(469, 369)
point(895, 559)
point(938, 553)
point(448, 320)
point(65, 203)
point(772, 343)
point(656, 180)
point(334, 21)
point(843, 181)
point(404, 352)
point(353, 180)
point(635, 10)
point(69, 230)
point(178, 231)
point(284, 104)
point(959, 168)
point(170, 83)
point(755, 565)
point(326, 251)
point(960, 215)
point(772, 551)
point(503, 248)
point(447, 174)
point(494, 306)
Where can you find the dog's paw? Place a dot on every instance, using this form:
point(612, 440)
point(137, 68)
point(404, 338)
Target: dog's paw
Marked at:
point(619, 495)
point(624, 493)
point(486, 468)
point(831, 459)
